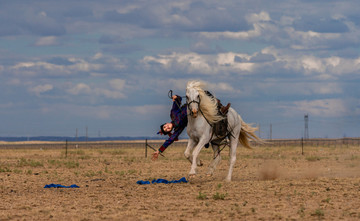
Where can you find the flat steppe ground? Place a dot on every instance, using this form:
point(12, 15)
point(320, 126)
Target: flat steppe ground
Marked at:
point(269, 183)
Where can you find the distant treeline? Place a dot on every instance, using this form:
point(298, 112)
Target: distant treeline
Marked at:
point(57, 138)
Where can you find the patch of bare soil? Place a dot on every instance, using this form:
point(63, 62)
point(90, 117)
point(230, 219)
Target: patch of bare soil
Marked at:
point(269, 183)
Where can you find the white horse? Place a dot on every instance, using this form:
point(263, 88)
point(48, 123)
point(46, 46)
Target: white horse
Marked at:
point(202, 115)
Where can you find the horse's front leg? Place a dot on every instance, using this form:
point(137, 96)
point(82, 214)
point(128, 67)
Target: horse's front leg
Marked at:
point(187, 153)
point(190, 146)
point(195, 154)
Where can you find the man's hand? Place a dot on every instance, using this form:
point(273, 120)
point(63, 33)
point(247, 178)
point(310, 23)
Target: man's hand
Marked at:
point(174, 97)
point(155, 155)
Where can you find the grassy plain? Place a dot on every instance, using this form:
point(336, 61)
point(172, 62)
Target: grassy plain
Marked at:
point(269, 183)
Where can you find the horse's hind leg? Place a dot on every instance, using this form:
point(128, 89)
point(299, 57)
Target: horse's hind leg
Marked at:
point(232, 157)
point(215, 161)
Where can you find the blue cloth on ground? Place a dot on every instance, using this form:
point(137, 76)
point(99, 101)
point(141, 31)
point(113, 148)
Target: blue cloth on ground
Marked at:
point(182, 180)
point(141, 182)
point(60, 186)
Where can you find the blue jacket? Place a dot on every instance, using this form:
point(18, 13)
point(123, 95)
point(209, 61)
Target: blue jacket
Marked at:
point(178, 117)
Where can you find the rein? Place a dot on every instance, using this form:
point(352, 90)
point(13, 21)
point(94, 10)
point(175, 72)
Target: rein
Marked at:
point(170, 94)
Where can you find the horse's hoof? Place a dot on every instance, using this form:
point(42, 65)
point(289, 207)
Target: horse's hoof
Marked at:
point(192, 176)
point(200, 163)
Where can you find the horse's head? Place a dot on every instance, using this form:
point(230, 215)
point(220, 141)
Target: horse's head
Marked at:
point(193, 101)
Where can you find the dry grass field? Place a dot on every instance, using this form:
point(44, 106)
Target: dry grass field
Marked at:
point(269, 183)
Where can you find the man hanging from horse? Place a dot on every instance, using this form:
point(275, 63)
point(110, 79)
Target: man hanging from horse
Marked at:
point(178, 115)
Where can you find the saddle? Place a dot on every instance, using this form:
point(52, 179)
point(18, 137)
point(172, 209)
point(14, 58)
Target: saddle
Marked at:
point(221, 128)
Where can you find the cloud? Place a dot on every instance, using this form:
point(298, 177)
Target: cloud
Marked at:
point(318, 32)
point(80, 88)
point(30, 68)
point(146, 109)
point(94, 91)
point(8, 105)
point(104, 113)
point(80, 11)
point(28, 19)
point(46, 41)
point(122, 48)
point(260, 23)
point(320, 25)
point(187, 62)
point(177, 17)
point(330, 67)
point(283, 89)
point(277, 62)
point(260, 17)
point(322, 108)
point(41, 89)
point(14, 82)
point(107, 39)
point(223, 87)
point(60, 61)
point(198, 63)
point(98, 56)
point(109, 93)
point(260, 58)
point(322, 67)
point(204, 47)
point(117, 84)
point(54, 67)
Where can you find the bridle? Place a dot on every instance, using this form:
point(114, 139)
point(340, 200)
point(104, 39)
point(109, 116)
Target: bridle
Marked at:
point(170, 94)
point(199, 108)
point(194, 101)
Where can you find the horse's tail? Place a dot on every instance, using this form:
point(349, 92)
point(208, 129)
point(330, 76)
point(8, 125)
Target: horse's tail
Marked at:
point(247, 133)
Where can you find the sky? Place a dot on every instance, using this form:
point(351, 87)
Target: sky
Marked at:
point(108, 65)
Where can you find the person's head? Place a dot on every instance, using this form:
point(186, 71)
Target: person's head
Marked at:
point(166, 128)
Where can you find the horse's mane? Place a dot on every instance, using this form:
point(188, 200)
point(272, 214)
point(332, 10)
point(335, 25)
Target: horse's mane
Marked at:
point(208, 105)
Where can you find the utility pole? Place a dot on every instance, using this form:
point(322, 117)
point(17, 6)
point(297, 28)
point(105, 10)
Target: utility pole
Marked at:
point(270, 131)
point(306, 132)
point(259, 131)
